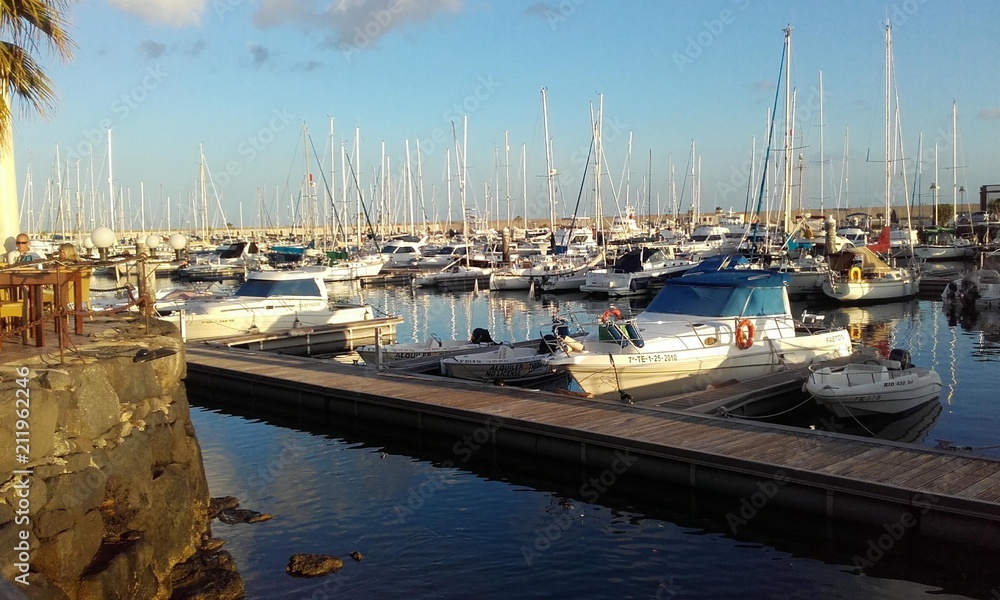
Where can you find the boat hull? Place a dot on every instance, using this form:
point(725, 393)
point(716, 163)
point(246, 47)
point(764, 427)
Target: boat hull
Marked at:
point(502, 366)
point(651, 374)
point(885, 290)
point(862, 390)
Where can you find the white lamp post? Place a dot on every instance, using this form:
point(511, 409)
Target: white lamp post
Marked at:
point(103, 238)
point(178, 242)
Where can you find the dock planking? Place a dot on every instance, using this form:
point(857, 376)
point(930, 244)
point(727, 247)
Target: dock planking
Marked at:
point(727, 455)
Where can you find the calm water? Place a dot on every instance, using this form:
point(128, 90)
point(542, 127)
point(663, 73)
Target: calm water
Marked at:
point(435, 519)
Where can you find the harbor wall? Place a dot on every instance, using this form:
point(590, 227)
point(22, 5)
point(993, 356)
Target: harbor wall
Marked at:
point(102, 486)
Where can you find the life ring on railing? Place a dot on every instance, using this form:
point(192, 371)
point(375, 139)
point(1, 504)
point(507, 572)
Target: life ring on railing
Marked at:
point(854, 274)
point(744, 334)
point(611, 313)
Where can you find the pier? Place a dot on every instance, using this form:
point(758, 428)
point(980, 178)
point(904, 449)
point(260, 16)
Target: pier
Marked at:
point(942, 494)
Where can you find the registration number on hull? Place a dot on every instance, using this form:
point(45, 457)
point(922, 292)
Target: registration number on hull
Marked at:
point(651, 358)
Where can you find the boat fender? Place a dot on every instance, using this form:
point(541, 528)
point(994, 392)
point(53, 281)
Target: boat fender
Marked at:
point(572, 345)
point(744, 334)
point(633, 335)
point(611, 313)
point(855, 274)
point(616, 334)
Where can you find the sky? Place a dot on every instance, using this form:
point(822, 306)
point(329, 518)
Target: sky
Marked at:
point(238, 82)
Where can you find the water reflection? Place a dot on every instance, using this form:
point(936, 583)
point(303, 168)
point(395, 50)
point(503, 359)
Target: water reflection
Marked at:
point(489, 508)
point(911, 426)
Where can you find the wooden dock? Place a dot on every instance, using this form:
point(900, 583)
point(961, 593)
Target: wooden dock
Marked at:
point(936, 493)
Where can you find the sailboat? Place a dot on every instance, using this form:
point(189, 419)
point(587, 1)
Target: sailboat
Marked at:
point(859, 275)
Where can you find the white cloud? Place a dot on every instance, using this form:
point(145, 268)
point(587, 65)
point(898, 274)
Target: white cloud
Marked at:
point(346, 20)
point(176, 13)
point(990, 114)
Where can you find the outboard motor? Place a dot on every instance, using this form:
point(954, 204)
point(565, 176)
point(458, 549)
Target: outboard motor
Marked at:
point(481, 336)
point(902, 355)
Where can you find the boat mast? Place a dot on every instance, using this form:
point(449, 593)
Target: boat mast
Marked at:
point(934, 186)
point(506, 167)
point(822, 197)
point(954, 161)
point(888, 112)
point(549, 171)
point(787, 196)
point(111, 184)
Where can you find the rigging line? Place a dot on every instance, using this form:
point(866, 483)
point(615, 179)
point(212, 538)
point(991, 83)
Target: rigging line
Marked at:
point(770, 139)
point(361, 197)
point(579, 195)
point(322, 172)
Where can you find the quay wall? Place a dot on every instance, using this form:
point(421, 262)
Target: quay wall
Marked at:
point(106, 492)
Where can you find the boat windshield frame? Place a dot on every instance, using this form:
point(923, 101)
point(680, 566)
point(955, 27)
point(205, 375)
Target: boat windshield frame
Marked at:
point(267, 288)
point(719, 300)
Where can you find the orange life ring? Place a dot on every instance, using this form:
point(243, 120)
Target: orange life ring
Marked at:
point(611, 312)
point(744, 334)
point(855, 274)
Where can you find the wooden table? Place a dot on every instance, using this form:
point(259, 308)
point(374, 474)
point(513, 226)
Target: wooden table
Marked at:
point(32, 280)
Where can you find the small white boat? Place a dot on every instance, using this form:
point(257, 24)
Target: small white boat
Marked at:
point(268, 302)
point(979, 288)
point(514, 365)
point(873, 387)
point(354, 268)
point(434, 346)
point(505, 365)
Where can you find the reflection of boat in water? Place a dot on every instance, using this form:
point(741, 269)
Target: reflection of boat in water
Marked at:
point(911, 426)
point(874, 386)
point(872, 323)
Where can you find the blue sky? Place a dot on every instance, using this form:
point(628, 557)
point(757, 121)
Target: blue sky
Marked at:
point(241, 77)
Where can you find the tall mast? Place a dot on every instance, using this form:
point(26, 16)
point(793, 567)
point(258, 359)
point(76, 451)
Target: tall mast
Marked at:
point(935, 186)
point(204, 195)
point(506, 167)
point(111, 184)
point(787, 196)
point(549, 171)
point(822, 196)
point(409, 188)
point(524, 185)
point(954, 159)
point(888, 112)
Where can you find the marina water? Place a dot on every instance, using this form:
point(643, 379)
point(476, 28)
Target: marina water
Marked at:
point(450, 518)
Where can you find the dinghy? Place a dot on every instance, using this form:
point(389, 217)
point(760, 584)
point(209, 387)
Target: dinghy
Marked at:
point(874, 386)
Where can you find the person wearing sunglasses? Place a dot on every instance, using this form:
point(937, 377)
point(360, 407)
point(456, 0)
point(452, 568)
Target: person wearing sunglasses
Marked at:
point(23, 253)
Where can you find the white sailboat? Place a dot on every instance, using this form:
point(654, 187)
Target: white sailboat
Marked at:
point(858, 275)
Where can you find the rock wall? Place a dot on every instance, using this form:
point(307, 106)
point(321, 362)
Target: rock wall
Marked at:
point(116, 494)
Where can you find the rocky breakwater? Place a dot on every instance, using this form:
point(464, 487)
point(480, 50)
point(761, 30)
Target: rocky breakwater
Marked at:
point(102, 487)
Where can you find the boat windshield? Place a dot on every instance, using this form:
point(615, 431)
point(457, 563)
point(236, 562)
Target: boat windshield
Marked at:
point(264, 288)
point(718, 301)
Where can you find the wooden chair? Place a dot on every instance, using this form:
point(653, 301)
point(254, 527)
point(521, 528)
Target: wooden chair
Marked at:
point(11, 309)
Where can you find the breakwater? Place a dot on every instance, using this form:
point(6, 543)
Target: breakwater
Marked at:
point(102, 488)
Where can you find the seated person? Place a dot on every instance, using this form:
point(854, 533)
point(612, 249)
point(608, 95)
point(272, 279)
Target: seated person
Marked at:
point(23, 253)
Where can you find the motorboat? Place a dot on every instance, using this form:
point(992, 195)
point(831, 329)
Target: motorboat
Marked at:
point(402, 250)
point(267, 302)
point(434, 346)
point(979, 288)
point(858, 275)
point(873, 386)
point(705, 241)
point(230, 260)
point(354, 268)
point(521, 275)
point(702, 328)
point(633, 272)
point(507, 364)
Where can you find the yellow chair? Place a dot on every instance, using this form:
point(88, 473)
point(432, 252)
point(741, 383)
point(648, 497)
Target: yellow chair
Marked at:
point(13, 308)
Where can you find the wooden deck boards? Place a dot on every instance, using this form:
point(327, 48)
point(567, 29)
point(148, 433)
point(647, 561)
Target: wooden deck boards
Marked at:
point(759, 447)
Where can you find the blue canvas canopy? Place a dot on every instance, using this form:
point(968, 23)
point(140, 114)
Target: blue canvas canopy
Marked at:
point(739, 293)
